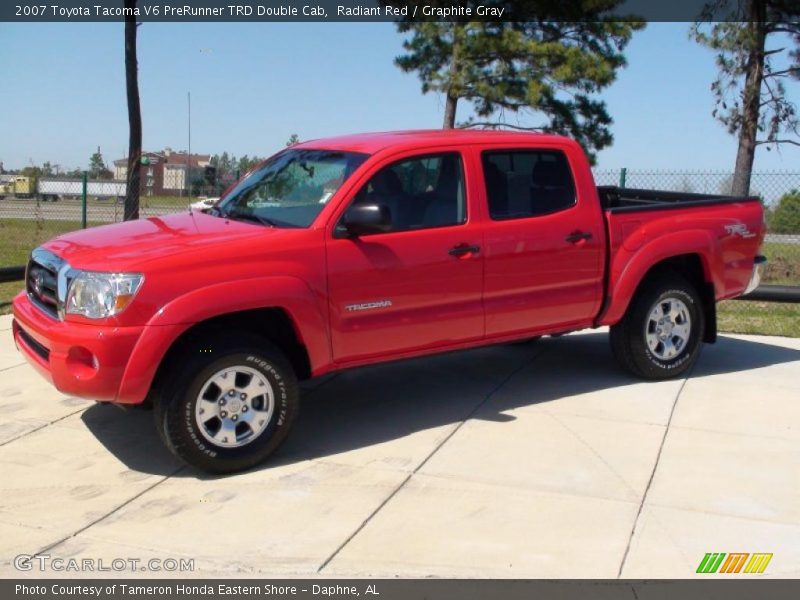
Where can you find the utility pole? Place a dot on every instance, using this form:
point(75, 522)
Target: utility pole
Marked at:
point(189, 159)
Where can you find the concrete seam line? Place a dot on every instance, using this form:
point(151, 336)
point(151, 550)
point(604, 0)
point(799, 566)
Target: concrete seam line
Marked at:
point(438, 446)
point(27, 433)
point(12, 367)
point(109, 513)
point(652, 474)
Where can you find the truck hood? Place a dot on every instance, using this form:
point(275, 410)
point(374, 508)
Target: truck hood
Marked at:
point(132, 245)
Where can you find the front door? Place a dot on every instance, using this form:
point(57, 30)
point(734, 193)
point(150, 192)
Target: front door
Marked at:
point(417, 286)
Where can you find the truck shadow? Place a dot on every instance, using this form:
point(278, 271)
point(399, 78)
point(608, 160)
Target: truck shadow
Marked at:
point(374, 405)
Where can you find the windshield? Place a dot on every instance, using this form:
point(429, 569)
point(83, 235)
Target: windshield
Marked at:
point(290, 189)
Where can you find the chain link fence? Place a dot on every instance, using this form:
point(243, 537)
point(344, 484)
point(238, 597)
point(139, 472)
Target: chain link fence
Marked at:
point(32, 212)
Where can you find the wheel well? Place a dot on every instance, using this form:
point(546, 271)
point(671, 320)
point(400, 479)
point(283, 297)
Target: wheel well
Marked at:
point(273, 324)
point(690, 266)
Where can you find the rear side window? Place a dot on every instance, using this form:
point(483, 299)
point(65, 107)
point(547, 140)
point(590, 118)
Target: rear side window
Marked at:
point(420, 193)
point(527, 183)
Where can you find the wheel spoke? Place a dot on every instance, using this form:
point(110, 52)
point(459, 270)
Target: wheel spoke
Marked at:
point(223, 380)
point(226, 434)
point(255, 387)
point(206, 411)
point(681, 331)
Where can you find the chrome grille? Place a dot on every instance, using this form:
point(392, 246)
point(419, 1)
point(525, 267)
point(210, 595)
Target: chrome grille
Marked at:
point(41, 280)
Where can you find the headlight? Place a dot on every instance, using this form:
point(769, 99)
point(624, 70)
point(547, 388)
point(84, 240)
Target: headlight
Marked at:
point(101, 295)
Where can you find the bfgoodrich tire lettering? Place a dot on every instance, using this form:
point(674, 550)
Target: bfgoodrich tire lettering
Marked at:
point(632, 339)
point(191, 440)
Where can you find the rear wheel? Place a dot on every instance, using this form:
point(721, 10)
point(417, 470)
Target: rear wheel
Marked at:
point(660, 335)
point(230, 405)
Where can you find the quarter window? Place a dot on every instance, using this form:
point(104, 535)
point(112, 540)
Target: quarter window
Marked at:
point(527, 183)
point(420, 192)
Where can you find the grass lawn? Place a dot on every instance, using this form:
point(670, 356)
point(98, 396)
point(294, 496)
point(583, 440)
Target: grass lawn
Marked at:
point(783, 266)
point(144, 201)
point(19, 236)
point(765, 318)
point(7, 293)
point(183, 202)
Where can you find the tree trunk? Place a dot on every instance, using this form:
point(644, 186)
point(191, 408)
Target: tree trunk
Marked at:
point(450, 111)
point(751, 99)
point(451, 101)
point(134, 118)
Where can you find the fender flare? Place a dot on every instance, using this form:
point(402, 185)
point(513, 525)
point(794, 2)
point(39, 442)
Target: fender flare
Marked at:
point(630, 267)
point(291, 294)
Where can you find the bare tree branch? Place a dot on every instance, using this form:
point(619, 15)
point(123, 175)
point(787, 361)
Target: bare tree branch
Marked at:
point(783, 73)
point(495, 125)
point(792, 142)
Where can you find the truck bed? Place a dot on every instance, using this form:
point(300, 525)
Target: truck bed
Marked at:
point(616, 199)
point(647, 226)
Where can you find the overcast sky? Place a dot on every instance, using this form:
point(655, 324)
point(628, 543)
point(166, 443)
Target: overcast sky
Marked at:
point(252, 85)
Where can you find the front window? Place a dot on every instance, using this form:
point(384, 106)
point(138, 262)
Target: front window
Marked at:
point(421, 192)
point(290, 189)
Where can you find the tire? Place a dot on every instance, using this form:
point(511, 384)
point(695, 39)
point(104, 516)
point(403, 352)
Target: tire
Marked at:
point(650, 349)
point(220, 371)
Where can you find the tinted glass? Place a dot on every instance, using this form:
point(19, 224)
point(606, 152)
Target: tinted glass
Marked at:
point(526, 183)
point(419, 192)
point(290, 189)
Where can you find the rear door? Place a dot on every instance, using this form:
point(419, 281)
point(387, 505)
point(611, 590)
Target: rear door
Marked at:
point(544, 243)
point(418, 286)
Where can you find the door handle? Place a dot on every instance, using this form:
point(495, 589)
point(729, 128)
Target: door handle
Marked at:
point(463, 249)
point(577, 236)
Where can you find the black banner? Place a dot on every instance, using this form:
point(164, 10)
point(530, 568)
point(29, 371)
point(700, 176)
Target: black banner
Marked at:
point(366, 10)
point(399, 589)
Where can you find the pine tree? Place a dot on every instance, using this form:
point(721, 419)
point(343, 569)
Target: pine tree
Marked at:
point(550, 71)
point(750, 90)
point(97, 166)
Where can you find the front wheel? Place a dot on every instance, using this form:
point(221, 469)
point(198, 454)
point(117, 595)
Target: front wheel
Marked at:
point(660, 335)
point(230, 405)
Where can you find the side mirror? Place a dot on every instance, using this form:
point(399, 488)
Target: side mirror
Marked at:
point(365, 219)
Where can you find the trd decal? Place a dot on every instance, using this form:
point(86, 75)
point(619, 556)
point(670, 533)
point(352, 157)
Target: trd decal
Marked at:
point(739, 229)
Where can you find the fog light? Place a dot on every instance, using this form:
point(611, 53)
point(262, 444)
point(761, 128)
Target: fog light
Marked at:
point(81, 362)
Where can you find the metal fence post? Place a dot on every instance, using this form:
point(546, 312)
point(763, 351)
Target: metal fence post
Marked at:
point(84, 186)
point(623, 173)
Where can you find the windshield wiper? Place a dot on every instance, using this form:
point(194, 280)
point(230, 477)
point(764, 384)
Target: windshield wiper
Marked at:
point(248, 217)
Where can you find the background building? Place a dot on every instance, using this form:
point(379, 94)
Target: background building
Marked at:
point(166, 173)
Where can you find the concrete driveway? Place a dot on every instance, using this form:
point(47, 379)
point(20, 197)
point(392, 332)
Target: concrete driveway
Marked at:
point(531, 461)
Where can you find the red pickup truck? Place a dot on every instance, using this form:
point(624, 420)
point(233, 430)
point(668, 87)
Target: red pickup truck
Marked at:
point(347, 251)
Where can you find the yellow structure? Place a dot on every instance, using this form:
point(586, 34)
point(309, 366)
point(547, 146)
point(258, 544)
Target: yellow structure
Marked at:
point(23, 186)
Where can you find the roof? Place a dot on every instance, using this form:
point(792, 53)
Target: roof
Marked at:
point(181, 158)
point(172, 159)
point(369, 143)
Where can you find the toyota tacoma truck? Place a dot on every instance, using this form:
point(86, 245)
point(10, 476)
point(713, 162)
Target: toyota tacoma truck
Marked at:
point(342, 252)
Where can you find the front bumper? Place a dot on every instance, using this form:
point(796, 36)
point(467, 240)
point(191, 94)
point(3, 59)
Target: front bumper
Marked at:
point(755, 277)
point(81, 360)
